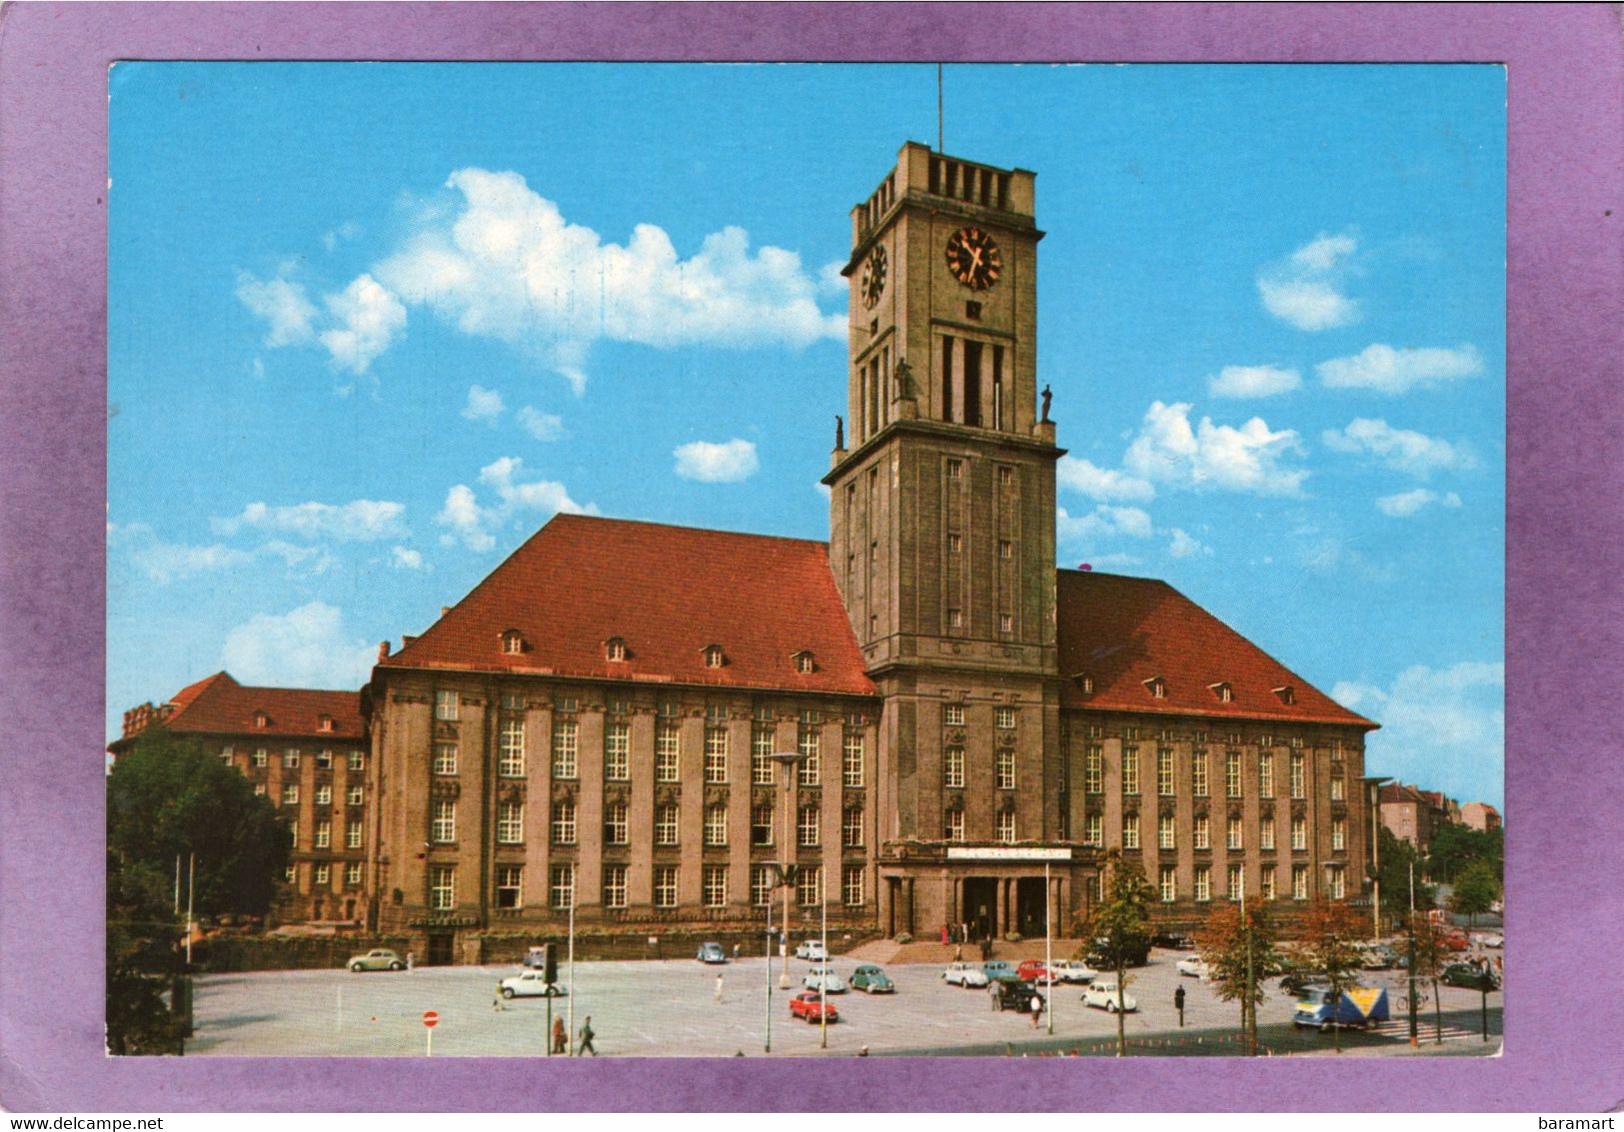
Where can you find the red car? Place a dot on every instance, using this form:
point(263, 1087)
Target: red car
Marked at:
point(1033, 971)
point(810, 1006)
point(1456, 940)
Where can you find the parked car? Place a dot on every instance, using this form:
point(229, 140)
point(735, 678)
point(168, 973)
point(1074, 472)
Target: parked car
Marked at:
point(1456, 940)
point(812, 949)
point(809, 1005)
point(1135, 953)
point(1296, 981)
point(871, 980)
point(535, 957)
point(1469, 975)
point(1073, 971)
point(1035, 971)
point(1489, 939)
point(1194, 966)
point(711, 953)
point(964, 975)
point(998, 970)
point(1173, 941)
point(1380, 957)
point(531, 984)
point(1015, 995)
point(823, 978)
point(1103, 994)
point(378, 959)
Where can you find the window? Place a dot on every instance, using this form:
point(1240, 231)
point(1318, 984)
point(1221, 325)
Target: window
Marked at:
point(1130, 832)
point(761, 825)
point(1166, 837)
point(666, 751)
point(293, 836)
point(291, 874)
point(290, 794)
point(665, 886)
point(1006, 623)
point(715, 754)
point(1297, 788)
point(1006, 549)
point(352, 835)
point(261, 757)
point(259, 790)
point(665, 825)
point(805, 663)
point(616, 826)
point(953, 767)
point(715, 825)
point(513, 642)
point(509, 886)
point(809, 887)
point(1339, 834)
point(1004, 769)
point(1265, 740)
point(324, 759)
point(1236, 882)
point(1203, 883)
point(442, 887)
point(1265, 886)
point(1299, 833)
point(1299, 882)
point(1203, 833)
point(510, 749)
point(445, 705)
point(324, 874)
point(1334, 886)
point(1198, 773)
point(1096, 887)
point(1232, 774)
point(1236, 834)
point(355, 795)
point(1094, 770)
point(1169, 884)
point(713, 885)
point(955, 543)
point(851, 886)
point(324, 835)
point(1130, 770)
point(261, 719)
point(761, 885)
point(807, 826)
point(955, 469)
point(761, 756)
point(1006, 476)
point(1338, 793)
point(713, 656)
point(1094, 830)
point(562, 889)
point(1130, 734)
point(851, 828)
point(563, 823)
point(445, 758)
point(1003, 717)
point(1157, 687)
point(955, 825)
point(851, 761)
point(810, 745)
point(1265, 774)
point(1223, 691)
point(955, 618)
point(290, 759)
point(324, 794)
point(1006, 828)
point(953, 715)
point(356, 760)
point(614, 886)
point(615, 649)
point(1265, 834)
point(566, 737)
point(1164, 772)
point(352, 873)
point(510, 823)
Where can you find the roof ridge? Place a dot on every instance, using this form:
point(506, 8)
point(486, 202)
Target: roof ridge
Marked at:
point(574, 516)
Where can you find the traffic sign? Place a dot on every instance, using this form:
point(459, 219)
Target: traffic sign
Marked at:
point(430, 1019)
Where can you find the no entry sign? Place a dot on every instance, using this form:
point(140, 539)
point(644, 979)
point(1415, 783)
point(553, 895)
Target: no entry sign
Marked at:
point(430, 1019)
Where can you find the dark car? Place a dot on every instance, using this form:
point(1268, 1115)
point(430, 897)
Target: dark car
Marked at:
point(1173, 941)
point(1469, 975)
point(1135, 953)
point(1295, 982)
point(1014, 995)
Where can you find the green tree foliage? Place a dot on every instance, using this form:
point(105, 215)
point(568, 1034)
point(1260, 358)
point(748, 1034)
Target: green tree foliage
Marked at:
point(143, 934)
point(1241, 949)
point(1396, 858)
point(1476, 889)
point(1330, 948)
point(1120, 924)
point(1455, 848)
point(1428, 956)
point(168, 799)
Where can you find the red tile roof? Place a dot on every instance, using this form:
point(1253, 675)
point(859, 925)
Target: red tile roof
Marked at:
point(1121, 632)
point(219, 705)
point(667, 592)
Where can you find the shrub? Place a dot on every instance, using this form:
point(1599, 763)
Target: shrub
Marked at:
point(905, 937)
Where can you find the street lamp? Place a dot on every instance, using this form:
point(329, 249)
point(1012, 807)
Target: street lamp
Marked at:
point(787, 761)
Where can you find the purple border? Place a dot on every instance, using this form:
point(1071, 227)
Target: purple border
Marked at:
point(1566, 266)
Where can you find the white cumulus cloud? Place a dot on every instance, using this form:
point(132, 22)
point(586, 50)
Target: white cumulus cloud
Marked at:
point(483, 404)
point(542, 426)
point(731, 461)
point(1185, 545)
point(166, 562)
point(283, 306)
point(1441, 727)
point(1305, 289)
point(1400, 449)
point(1407, 503)
point(362, 520)
point(1104, 484)
point(1251, 458)
point(304, 648)
point(404, 558)
point(475, 525)
point(366, 318)
point(1253, 381)
point(1387, 369)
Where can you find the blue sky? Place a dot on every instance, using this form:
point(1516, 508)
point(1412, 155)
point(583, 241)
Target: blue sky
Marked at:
point(371, 325)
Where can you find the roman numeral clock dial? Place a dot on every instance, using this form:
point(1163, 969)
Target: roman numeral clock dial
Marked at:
point(973, 258)
point(874, 276)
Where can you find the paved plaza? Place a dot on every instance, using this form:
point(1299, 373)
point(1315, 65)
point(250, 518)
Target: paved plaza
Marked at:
point(669, 1009)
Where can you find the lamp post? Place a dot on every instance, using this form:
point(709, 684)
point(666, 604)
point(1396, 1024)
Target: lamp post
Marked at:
point(1048, 941)
point(768, 1048)
point(787, 761)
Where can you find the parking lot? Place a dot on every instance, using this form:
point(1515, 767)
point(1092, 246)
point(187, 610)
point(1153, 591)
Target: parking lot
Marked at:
point(669, 1008)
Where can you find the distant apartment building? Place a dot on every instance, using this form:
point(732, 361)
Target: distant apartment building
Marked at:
point(1480, 815)
point(1415, 815)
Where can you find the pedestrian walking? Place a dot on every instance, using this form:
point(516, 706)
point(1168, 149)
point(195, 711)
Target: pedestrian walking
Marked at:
point(560, 1035)
point(735, 952)
point(1037, 1010)
point(497, 1003)
point(1178, 1004)
point(993, 988)
point(586, 1039)
point(717, 997)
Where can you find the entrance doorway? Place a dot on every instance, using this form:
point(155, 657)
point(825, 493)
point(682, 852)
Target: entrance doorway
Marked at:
point(981, 907)
point(1031, 910)
point(439, 949)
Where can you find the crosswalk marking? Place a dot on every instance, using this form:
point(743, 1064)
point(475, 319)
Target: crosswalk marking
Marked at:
point(1426, 1031)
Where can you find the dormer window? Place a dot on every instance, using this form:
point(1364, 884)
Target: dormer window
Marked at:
point(1224, 692)
point(261, 719)
point(614, 649)
point(512, 642)
point(1287, 694)
point(714, 657)
point(1157, 687)
point(325, 723)
point(1085, 683)
point(805, 663)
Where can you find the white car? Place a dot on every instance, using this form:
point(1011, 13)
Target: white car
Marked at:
point(1489, 939)
point(1195, 966)
point(965, 975)
point(531, 984)
point(812, 949)
point(824, 978)
point(1103, 995)
point(1073, 971)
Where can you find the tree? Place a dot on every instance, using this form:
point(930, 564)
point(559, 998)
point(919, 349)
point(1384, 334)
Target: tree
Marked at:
point(143, 956)
point(1428, 955)
point(1397, 857)
point(1330, 949)
point(1455, 848)
point(1475, 891)
point(168, 800)
point(1240, 947)
point(1120, 924)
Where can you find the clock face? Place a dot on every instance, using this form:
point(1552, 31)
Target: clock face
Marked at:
point(874, 276)
point(973, 258)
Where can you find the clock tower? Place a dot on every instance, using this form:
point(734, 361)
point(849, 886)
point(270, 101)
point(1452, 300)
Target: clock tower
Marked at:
point(942, 506)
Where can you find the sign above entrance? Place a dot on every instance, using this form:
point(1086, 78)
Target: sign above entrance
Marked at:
point(1004, 853)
